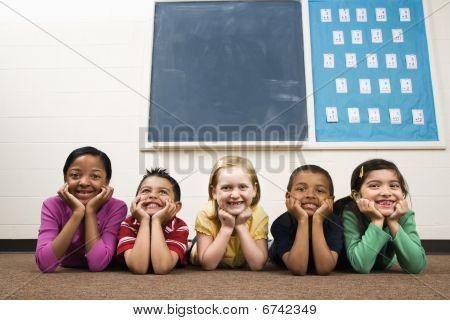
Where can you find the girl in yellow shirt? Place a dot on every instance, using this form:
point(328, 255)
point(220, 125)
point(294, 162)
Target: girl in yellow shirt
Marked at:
point(231, 228)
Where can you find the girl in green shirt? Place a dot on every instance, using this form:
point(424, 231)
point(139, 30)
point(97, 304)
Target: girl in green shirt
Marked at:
point(379, 228)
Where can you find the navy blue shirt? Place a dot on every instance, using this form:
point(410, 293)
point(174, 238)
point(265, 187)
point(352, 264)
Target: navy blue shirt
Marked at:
point(284, 229)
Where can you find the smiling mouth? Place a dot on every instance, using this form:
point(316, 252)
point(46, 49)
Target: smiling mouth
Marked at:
point(385, 203)
point(310, 206)
point(235, 203)
point(83, 194)
point(152, 205)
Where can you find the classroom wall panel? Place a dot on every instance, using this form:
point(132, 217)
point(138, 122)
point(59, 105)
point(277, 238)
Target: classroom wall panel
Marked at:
point(51, 103)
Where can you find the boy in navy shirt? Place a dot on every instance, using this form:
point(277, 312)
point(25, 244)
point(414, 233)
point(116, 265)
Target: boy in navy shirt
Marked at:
point(309, 236)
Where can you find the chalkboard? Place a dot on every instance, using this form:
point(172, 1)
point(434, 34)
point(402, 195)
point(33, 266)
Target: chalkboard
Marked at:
point(228, 71)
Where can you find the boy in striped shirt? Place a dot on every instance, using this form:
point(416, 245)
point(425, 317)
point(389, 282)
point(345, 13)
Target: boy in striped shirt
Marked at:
point(153, 238)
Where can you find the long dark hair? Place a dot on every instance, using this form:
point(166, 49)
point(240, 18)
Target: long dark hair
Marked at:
point(360, 175)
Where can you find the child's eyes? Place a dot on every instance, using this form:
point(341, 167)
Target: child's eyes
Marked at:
point(395, 186)
point(374, 186)
point(163, 192)
point(243, 187)
point(95, 177)
point(321, 190)
point(226, 188)
point(74, 175)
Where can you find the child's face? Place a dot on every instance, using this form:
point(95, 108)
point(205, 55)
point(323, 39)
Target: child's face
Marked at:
point(310, 189)
point(234, 191)
point(382, 187)
point(155, 192)
point(85, 177)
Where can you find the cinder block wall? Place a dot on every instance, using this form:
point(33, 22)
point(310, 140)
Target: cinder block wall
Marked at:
point(60, 66)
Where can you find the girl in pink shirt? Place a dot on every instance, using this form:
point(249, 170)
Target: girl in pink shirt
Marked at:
point(79, 226)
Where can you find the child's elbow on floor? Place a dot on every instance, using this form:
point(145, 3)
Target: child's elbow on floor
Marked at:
point(208, 267)
point(323, 272)
point(298, 272)
point(140, 271)
point(257, 267)
point(162, 271)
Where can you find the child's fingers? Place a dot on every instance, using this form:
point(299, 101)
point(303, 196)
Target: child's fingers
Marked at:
point(172, 209)
point(363, 205)
point(372, 206)
point(404, 204)
point(225, 215)
point(103, 192)
point(135, 202)
point(221, 204)
point(61, 191)
point(290, 202)
point(109, 192)
point(330, 203)
point(65, 191)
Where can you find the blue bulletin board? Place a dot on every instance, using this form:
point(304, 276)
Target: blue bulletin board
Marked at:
point(371, 71)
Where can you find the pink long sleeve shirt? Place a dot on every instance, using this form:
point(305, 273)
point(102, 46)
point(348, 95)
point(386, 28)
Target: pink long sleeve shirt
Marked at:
point(55, 214)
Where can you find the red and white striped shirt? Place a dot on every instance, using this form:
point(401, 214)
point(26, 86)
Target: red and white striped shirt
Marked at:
point(175, 232)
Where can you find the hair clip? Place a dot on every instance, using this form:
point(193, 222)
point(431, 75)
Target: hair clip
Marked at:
point(361, 172)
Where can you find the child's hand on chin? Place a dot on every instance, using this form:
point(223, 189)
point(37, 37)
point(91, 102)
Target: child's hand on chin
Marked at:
point(165, 214)
point(294, 207)
point(242, 217)
point(137, 211)
point(227, 220)
point(367, 207)
point(401, 208)
point(325, 210)
point(74, 203)
point(99, 200)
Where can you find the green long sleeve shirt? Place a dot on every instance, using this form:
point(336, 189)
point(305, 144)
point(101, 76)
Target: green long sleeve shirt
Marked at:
point(374, 248)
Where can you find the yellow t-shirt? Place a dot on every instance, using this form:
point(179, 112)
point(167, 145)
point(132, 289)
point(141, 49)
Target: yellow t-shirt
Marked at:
point(207, 223)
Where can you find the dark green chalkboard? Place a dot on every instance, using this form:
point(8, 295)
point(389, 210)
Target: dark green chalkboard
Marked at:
point(228, 71)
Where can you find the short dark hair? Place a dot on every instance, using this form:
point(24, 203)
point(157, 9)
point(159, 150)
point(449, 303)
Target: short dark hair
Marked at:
point(162, 173)
point(360, 173)
point(93, 152)
point(314, 169)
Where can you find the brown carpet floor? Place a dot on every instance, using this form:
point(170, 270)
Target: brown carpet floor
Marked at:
point(21, 279)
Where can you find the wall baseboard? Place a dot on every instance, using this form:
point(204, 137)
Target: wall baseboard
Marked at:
point(27, 245)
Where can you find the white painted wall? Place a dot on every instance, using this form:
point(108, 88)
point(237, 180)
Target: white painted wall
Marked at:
point(53, 100)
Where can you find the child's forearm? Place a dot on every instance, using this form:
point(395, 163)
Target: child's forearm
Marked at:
point(324, 259)
point(62, 241)
point(163, 260)
point(138, 258)
point(91, 234)
point(213, 254)
point(256, 256)
point(296, 260)
point(393, 226)
point(410, 253)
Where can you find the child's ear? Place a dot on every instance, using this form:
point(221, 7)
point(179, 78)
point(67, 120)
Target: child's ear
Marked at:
point(213, 192)
point(287, 195)
point(355, 195)
point(255, 190)
point(178, 206)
